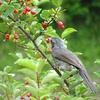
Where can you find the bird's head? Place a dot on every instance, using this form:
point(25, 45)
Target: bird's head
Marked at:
point(56, 42)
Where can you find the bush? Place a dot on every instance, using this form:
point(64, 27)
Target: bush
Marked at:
point(28, 26)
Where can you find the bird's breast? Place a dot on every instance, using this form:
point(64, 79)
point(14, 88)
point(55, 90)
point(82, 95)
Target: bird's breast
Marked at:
point(62, 65)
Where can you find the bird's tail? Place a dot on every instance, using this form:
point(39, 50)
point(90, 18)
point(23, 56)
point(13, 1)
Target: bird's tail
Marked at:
point(87, 79)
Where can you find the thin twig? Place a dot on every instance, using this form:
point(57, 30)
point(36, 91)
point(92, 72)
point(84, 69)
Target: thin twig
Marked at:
point(21, 46)
point(9, 2)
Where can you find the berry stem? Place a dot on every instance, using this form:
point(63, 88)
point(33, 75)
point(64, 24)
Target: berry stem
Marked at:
point(9, 2)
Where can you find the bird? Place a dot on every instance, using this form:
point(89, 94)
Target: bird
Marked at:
point(65, 60)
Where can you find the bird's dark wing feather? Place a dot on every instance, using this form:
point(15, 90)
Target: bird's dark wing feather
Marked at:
point(67, 56)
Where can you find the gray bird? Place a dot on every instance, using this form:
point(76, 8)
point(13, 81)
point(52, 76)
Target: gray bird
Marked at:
point(64, 59)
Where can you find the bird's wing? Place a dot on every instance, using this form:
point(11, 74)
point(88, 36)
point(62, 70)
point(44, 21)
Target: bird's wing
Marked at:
point(67, 56)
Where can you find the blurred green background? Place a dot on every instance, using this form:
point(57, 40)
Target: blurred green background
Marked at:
point(84, 16)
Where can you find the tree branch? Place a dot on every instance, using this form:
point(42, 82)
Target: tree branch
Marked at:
point(42, 53)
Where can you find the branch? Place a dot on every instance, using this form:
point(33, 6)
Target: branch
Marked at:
point(42, 53)
point(22, 46)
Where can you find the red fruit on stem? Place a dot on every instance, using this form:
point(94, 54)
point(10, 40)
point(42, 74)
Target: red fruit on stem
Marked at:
point(15, 11)
point(51, 51)
point(16, 36)
point(26, 83)
point(48, 40)
point(33, 12)
point(61, 25)
point(7, 36)
point(28, 9)
point(44, 25)
point(24, 12)
point(0, 2)
point(21, 97)
point(28, 94)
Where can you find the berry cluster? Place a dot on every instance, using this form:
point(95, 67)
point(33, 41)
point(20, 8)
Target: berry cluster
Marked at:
point(60, 24)
point(7, 36)
point(28, 9)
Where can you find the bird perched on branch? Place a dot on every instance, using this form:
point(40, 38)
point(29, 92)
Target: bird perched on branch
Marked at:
point(64, 59)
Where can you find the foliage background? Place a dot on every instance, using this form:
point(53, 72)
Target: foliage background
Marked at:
point(84, 16)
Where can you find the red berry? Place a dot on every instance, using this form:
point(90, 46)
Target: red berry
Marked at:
point(51, 51)
point(16, 36)
point(44, 25)
point(26, 82)
point(61, 25)
point(28, 94)
point(7, 36)
point(33, 12)
point(48, 40)
point(15, 11)
point(0, 2)
point(24, 12)
point(28, 9)
point(21, 97)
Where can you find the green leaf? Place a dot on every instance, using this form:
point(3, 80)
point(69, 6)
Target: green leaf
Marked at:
point(28, 63)
point(51, 32)
point(57, 2)
point(17, 93)
point(40, 64)
point(3, 7)
point(44, 96)
point(68, 31)
point(45, 14)
point(9, 10)
point(78, 53)
point(65, 97)
point(3, 27)
point(1, 97)
point(7, 69)
point(16, 5)
point(59, 80)
point(4, 86)
point(32, 90)
point(32, 82)
point(17, 85)
point(28, 72)
point(97, 73)
point(52, 87)
point(39, 40)
point(14, 56)
point(97, 61)
point(65, 75)
point(49, 77)
point(10, 78)
point(77, 98)
point(75, 84)
point(81, 89)
point(42, 1)
point(19, 55)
